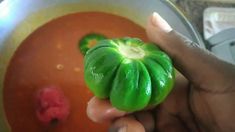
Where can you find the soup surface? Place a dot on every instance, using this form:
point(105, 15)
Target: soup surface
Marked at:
point(50, 57)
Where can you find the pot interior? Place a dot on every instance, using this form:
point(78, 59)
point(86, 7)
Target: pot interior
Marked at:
point(19, 19)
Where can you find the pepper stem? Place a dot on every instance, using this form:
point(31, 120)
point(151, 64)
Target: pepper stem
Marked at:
point(131, 52)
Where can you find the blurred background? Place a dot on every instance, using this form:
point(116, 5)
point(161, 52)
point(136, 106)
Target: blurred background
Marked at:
point(194, 9)
point(215, 21)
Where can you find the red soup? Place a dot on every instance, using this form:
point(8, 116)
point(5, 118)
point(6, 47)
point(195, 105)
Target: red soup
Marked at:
point(50, 57)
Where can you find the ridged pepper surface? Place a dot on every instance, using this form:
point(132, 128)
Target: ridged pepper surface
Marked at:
point(130, 73)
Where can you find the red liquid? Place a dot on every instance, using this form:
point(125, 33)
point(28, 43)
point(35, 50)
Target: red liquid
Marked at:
point(50, 56)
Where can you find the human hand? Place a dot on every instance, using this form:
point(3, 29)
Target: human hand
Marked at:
point(203, 98)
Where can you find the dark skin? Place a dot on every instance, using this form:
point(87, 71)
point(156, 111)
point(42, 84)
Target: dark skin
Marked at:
point(203, 98)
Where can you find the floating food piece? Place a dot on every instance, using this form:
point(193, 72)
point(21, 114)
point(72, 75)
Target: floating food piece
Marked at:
point(52, 106)
point(60, 67)
point(89, 40)
point(77, 69)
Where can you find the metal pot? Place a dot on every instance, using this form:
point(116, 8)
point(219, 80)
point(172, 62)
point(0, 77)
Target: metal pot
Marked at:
point(20, 18)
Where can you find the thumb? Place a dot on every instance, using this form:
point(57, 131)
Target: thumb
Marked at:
point(196, 64)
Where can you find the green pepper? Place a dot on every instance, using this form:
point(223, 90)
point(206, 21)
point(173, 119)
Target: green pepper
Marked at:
point(89, 41)
point(131, 73)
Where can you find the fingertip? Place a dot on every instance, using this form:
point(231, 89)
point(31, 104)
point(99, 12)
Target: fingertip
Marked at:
point(99, 111)
point(157, 29)
point(156, 22)
point(127, 124)
point(91, 112)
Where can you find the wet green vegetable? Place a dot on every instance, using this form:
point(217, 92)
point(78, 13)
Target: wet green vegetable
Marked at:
point(131, 73)
point(89, 40)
